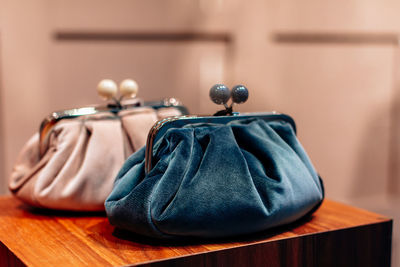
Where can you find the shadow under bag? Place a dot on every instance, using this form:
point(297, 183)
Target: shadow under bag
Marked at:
point(216, 177)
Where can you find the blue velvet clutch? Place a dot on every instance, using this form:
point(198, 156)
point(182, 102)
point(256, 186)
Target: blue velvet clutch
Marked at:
point(217, 178)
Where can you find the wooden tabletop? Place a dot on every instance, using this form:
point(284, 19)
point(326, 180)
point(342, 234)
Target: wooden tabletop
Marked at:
point(45, 238)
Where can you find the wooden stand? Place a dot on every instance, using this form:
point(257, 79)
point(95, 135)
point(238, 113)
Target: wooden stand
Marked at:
point(336, 235)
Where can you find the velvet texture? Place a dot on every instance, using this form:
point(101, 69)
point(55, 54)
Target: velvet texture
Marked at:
point(214, 180)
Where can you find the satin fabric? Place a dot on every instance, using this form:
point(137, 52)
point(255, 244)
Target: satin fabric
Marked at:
point(83, 157)
point(212, 180)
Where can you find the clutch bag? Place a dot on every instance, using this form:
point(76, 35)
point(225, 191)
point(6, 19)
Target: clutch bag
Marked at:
point(215, 176)
point(71, 163)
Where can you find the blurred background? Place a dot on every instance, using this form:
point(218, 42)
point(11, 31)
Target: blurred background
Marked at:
point(332, 65)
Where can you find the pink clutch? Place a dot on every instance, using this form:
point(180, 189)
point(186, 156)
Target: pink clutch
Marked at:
point(71, 163)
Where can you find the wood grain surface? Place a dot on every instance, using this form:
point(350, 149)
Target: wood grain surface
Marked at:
point(336, 235)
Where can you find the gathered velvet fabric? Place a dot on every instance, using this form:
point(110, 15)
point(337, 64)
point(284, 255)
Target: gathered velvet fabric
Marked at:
point(216, 180)
point(83, 156)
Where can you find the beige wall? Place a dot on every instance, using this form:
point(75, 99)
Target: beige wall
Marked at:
point(2, 158)
point(341, 94)
point(24, 72)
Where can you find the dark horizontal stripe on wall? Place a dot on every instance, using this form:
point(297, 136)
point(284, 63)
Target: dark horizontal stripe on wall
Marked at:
point(336, 38)
point(143, 36)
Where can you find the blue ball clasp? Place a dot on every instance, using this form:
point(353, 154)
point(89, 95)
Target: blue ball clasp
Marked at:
point(239, 94)
point(220, 94)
